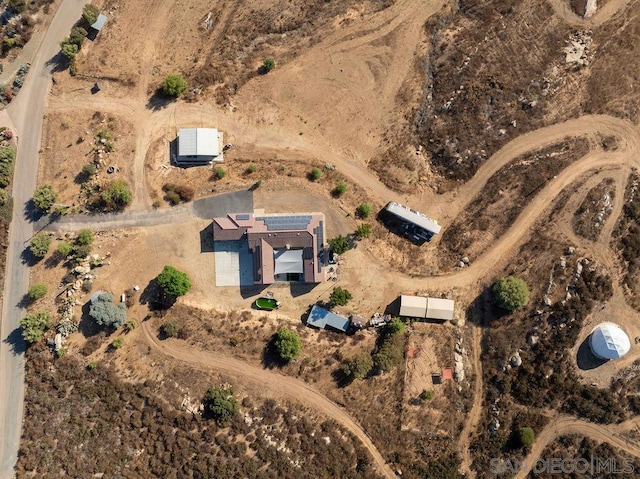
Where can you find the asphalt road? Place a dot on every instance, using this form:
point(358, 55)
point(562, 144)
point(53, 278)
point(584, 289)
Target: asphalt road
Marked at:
point(204, 208)
point(26, 113)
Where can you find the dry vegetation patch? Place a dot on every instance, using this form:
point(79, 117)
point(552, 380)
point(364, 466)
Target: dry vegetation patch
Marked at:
point(74, 139)
point(594, 210)
point(503, 198)
point(144, 429)
point(492, 66)
point(626, 238)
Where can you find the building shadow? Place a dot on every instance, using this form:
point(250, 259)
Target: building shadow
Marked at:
point(249, 291)
point(299, 289)
point(16, 341)
point(206, 239)
point(586, 359)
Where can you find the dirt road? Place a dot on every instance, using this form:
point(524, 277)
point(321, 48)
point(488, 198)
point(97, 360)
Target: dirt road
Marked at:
point(26, 113)
point(563, 425)
point(276, 384)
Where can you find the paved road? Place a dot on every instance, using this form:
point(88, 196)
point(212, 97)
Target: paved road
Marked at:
point(26, 114)
point(205, 208)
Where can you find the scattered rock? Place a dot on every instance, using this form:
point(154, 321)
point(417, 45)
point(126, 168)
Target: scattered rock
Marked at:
point(516, 360)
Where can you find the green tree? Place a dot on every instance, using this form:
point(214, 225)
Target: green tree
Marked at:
point(37, 291)
point(363, 231)
point(268, 65)
point(316, 174)
point(90, 13)
point(357, 367)
point(526, 436)
point(39, 245)
point(4, 197)
point(116, 343)
point(395, 326)
point(85, 237)
point(106, 313)
point(252, 168)
point(44, 197)
point(339, 296)
point(219, 173)
point(364, 210)
point(339, 189)
point(170, 329)
point(339, 244)
point(117, 195)
point(77, 36)
point(173, 282)
point(65, 248)
point(220, 404)
point(89, 169)
point(68, 49)
point(287, 344)
point(511, 293)
point(174, 85)
point(34, 325)
point(18, 6)
point(426, 395)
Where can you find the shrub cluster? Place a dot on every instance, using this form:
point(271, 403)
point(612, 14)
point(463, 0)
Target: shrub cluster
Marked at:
point(391, 344)
point(174, 194)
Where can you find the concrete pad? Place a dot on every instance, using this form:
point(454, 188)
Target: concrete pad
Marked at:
point(233, 263)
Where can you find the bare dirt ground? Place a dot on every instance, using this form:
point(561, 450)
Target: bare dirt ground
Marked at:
point(338, 117)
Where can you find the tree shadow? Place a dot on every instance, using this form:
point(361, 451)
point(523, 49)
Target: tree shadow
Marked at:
point(57, 63)
point(586, 359)
point(159, 101)
point(81, 178)
point(483, 310)
point(53, 261)
point(29, 258)
point(270, 357)
point(87, 326)
point(153, 297)
point(16, 341)
point(31, 213)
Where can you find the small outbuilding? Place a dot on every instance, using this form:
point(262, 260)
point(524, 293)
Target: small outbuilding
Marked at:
point(99, 23)
point(609, 341)
point(199, 146)
point(426, 308)
point(321, 318)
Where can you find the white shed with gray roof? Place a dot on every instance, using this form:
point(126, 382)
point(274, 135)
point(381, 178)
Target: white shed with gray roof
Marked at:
point(426, 308)
point(199, 145)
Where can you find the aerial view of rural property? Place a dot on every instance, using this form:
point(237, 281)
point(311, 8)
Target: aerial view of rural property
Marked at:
point(324, 239)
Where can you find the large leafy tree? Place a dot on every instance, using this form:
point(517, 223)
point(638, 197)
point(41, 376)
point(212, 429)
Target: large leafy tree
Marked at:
point(117, 195)
point(339, 296)
point(34, 325)
point(44, 197)
point(173, 282)
point(357, 367)
point(174, 85)
point(39, 245)
point(220, 404)
point(90, 13)
point(106, 313)
point(526, 436)
point(511, 293)
point(287, 344)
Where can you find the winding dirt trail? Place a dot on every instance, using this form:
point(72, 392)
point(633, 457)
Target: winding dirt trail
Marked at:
point(562, 425)
point(358, 60)
point(276, 384)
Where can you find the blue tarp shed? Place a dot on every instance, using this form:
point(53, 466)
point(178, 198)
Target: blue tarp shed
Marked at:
point(321, 318)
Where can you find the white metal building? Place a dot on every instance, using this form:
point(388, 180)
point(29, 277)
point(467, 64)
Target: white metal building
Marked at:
point(427, 308)
point(199, 146)
point(416, 218)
